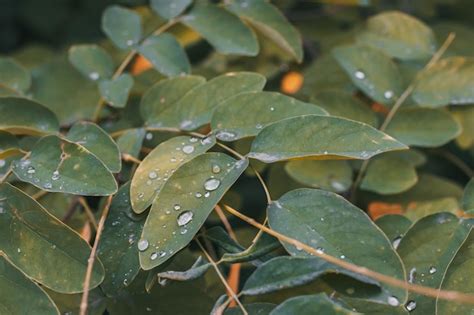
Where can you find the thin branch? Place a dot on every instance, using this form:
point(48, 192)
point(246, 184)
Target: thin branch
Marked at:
point(88, 211)
point(130, 158)
point(91, 260)
point(427, 291)
point(264, 186)
point(39, 194)
point(226, 223)
point(228, 149)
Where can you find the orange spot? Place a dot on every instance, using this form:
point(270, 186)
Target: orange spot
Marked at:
point(291, 82)
point(379, 209)
point(86, 232)
point(233, 281)
point(140, 65)
point(379, 108)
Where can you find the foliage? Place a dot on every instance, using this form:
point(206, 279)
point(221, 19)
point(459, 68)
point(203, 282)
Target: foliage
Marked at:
point(122, 163)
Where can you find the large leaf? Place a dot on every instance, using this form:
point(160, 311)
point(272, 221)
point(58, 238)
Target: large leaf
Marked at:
point(61, 166)
point(399, 35)
point(449, 81)
point(427, 249)
point(115, 91)
point(122, 26)
point(165, 54)
point(328, 222)
point(92, 61)
point(195, 108)
point(24, 116)
point(371, 71)
point(310, 305)
point(169, 8)
point(15, 286)
point(13, 76)
point(232, 37)
point(320, 137)
point(184, 203)
point(98, 142)
point(244, 115)
point(468, 196)
point(118, 247)
point(271, 22)
point(423, 127)
point(41, 246)
point(160, 164)
point(458, 277)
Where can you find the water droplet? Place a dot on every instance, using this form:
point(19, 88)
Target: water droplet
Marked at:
point(48, 185)
point(173, 159)
point(183, 231)
point(198, 195)
point(176, 207)
point(188, 149)
point(129, 42)
point(149, 136)
point(396, 241)
point(410, 306)
point(55, 175)
point(31, 170)
point(152, 175)
point(207, 140)
point(207, 194)
point(432, 270)
point(259, 126)
point(168, 212)
point(212, 184)
point(193, 139)
point(393, 301)
point(343, 257)
point(154, 256)
point(141, 195)
point(2, 163)
point(94, 76)
point(185, 217)
point(359, 75)
point(272, 108)
point(142, 245)
point(225, 135)
point(388, 94)
point(319, 250)
point(412, 275)
point(216, 169)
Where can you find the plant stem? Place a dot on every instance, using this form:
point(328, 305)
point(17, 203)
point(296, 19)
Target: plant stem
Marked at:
point(88, 211)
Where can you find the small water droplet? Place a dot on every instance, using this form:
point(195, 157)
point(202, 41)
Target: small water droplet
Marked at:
point(184, 218)
point(129, 42)
point(143, 245)
point(388, 94)
point(188, 149)
point(176, 207)
point(198, 195)
point(393, 301)
point(149, 136)
point(259, 126)
point(343, 257)
point(173, 159)
point(193, 139)
point(2, 163)
point(396, 241)
point(225, 135)
point(207, 140)
point(31, 170)
point(48, 185)
point(216, 169)
point(152, 175)
point(410, 306)
point(272, 109)
point(94, 76)
point(207, 194)
point(212, 184)
point(55, 175)
point(320, 250)
point(359, 75)
point(154, 256)
point(432, 270)
point(412, 275)
point(183, 231)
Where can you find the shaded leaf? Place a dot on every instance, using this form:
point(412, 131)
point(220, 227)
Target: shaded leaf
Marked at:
point(60, 166)
point(92, 61)
point(122, 26)
point(115, 91)
point(184, 203)
point(320, 137)
point(418, 210)
point(309, 305)
point(14, 76)
point(7, 141)
point(169, 8)
point(233, 37)
point(158, 166)
point(130, 142)
point(260, 247)
point(394, 226)
point(222, 239)
point(468, 196)
point(71, 303)
point(29, 232)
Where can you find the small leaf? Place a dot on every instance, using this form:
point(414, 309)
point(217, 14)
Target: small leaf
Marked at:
point(266, 18)
point(122, 26)
point(232, 37)
point(164, 94)
point(184, 203)
point(328, 175)
point(399, 35)
point(448, 81)
point(286, 272)
point(130, 142)
point(165, 54)
point(320, 137)
point(195, 108)
point(15, 287)
point(198, 269)
point(423, 127)
point(23, 116)
point(468, 196)
point(60, 166)
point(92, 61)
point(14, 76)
point(154, 171)
point(331, 224)
point(245, 114)
point(394, 226)
point(310, 305)
point(169, 9)
point(116, 91)
point(28, 232)
point(98, 142)
point(371, 71)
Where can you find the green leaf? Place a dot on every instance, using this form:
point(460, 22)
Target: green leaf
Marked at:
point(130, 142)
point(29, 232)
point(286, 272)
point(92, 61)
point(195, 108)
point(118, 247)
point(7, 141)
point(464, 115)
point(468, 196)
point(154, 171)
point(60, 166)
point(165, 54)
point(368, 308)
point(310, 305)
point(399, 35)
point(14, 76)
point(164, 95)
point(320, 137)
point(388, 174)
point(458, 278)
point(71, 303)
point(169, 9)
point(223, 30)
point(418, 210)
point(427, 249)
point(116, 91)
point(267, 19)
point(328, 222)
point(423, 127)
point(328, 175)
point(260, 247)
point(371, 71)
point(448, 81)
point(245, 114)
point(345, 105)
point(394, 226)
point(184, 203)
point(222, 240)
point(198, 269)
point(98, 142)
point(122, 26)
point(24, 116)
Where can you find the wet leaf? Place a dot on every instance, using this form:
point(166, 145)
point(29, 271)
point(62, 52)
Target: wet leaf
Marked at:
point(310, 304)
point(115, 92)
point(60, 166)
point(320, 137)
point(28, 231)
point(14, 76)
point(184, 203)
point(122, 26)
point(169, 9)
point(92, 61)
point(158, 166)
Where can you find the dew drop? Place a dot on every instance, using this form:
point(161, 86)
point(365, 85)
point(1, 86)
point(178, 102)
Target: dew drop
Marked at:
point(152, 175)
point(149, 136)
point(216, 169)
point(188, 149)
point(176, 207)
point(212, 184)
point(359, 75)
point(154, 256)
point(142, 245)
point(412, 275)
point(48, 185)
point(410, 306)
point(31, 170)
point(393, 301)
point(129, 42)
point(272, 109)
point(225, 135)
point(396, 241)
point(94, 75)
point(193, 139)
point(207, 194)
point(432, 270)
point(198, 195)
point(259, 126)
point(55, 175)
point(184, 218)
point(388, 94)
point(183, 231)
point(320, 250)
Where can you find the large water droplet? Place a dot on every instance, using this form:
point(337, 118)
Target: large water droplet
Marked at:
point(154, 256)
point(152, 175)
point(212, 184)
point(184, 218)
point(393, 301)
point(188, 149)
point(359, 75)
point(142, 245)
point(410, 306)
